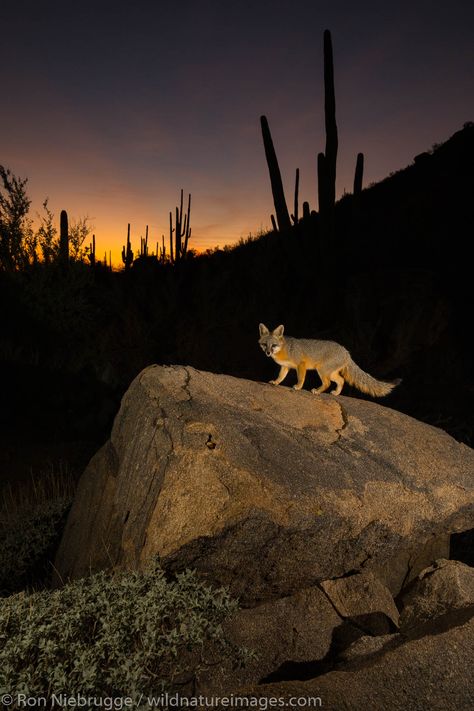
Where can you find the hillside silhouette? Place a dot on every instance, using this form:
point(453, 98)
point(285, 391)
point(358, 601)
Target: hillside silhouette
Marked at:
point(393, 287)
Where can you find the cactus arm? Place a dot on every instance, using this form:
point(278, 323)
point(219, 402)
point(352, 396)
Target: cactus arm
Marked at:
point(281, 209)
point(359, 173)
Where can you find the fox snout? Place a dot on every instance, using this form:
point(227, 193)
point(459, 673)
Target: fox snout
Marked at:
point(270, 349)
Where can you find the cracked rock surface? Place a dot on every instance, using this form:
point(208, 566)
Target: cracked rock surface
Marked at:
point(265, 489)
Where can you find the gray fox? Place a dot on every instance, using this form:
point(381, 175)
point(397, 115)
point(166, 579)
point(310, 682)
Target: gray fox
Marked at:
point(332, 361)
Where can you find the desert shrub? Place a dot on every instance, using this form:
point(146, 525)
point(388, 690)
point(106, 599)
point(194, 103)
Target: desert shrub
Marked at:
point(119, 635)
point(31, 523)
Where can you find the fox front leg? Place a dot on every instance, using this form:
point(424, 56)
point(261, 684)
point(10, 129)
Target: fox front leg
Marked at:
point(301, 370)
point(281, 375)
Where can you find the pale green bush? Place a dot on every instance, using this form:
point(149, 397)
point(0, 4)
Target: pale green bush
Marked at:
point(121, 635)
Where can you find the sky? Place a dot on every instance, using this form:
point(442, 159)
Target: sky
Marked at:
point(110, 108)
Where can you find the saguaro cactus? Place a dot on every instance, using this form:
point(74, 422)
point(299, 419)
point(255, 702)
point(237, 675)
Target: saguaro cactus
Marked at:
point(281, 209)
point(322, 184)
point(63, 238)
point(161, 251)
point(327, 160)
point(181, 229)
point(127, 254)
point(144, 244)
point(91, 252)
point(359, 173)
point(330, 154)
point(295, 215)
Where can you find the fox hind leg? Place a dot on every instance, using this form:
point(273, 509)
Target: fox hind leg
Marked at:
point(337, 378)
point(327, 376)
point(325, 383)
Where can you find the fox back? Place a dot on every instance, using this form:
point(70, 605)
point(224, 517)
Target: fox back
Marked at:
point(289, 351)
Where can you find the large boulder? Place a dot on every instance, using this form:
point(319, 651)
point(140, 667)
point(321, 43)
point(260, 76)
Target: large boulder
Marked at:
point(265, 489)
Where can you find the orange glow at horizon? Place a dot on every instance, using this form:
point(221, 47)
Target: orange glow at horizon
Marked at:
point(114, 135)
point(108, 244)
point(111, 233)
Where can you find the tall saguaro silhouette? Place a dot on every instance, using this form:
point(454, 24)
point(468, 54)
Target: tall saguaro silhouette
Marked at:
point(281, 209)
point(330, 155)
point(327, 160)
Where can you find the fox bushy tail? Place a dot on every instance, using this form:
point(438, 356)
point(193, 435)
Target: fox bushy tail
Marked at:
point(366, 383)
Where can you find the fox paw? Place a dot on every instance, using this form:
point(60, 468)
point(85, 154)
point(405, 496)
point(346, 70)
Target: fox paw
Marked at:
point(297, 387)
point(315, 391)
point(273, 382)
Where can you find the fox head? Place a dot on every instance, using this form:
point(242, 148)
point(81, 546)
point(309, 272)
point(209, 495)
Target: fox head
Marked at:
point(271, 343)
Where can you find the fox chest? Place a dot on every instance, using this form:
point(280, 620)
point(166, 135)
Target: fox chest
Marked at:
point(285, 362)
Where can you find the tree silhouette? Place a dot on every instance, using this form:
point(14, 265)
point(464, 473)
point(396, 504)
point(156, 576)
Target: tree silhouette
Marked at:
point(15, 228)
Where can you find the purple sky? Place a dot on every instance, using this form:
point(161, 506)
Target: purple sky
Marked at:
point(109, 108)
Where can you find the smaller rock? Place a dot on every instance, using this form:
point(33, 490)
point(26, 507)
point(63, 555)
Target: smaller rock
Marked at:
point(365, 601)
point(298, 628)
point(446, 585)
point(368, 647)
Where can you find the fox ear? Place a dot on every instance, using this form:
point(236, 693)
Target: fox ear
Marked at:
point(279, 330)
point(263, 329)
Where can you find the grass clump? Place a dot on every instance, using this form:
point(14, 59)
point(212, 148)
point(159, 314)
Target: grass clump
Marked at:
point(119, 635)
point(31, 523)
